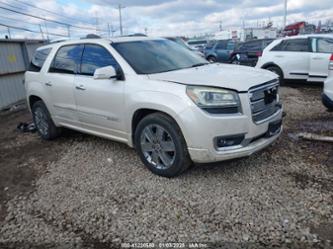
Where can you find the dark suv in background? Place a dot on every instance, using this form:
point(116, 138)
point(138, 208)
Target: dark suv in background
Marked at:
point(247, 53)
point(219, 50)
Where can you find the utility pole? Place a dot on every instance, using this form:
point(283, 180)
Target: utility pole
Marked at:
point(120, 19)
point(109, 31)
point(9, 35)
point(96, 23)
point(285, 13)
point(146, 31)
point(68, 31)
point(220, 26)
point(47, 32)
point(41, 31)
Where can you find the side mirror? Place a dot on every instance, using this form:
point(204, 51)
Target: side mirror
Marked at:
point(105, 73)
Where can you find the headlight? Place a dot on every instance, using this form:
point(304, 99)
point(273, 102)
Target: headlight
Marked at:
point(214, 100)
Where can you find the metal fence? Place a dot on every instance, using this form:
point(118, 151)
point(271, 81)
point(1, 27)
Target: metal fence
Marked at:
point(15, 56)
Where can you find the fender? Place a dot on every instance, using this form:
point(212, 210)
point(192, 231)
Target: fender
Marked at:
point(168, 103)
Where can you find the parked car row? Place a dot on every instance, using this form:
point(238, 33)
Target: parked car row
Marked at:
point(303, 57)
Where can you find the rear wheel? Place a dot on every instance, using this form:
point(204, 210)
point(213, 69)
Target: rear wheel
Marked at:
point(43, 121)
point(235, 60)
point(161, 145)
point(278, 71)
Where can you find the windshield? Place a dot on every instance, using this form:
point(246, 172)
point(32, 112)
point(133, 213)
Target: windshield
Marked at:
point(157, 56)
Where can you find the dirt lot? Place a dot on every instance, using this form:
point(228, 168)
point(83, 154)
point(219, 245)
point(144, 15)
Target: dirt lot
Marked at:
point(86, 192)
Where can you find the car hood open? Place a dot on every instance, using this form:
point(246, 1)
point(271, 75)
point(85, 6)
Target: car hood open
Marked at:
point(239, 78)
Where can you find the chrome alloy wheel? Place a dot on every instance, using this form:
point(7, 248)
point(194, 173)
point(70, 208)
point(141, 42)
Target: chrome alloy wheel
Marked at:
point(41, 121)
point(157, 146)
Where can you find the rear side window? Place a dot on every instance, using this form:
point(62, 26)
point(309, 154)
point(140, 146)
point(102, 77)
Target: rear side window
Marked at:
point(38, 60)
point(293, 45)
point(222, 45)
point(95, 56)
point(325, 45)
point(254, 46)
point(67, 59)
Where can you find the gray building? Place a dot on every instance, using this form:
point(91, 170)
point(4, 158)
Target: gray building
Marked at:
point(15, 56)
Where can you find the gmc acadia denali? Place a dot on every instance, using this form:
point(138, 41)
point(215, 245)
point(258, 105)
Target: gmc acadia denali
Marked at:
point(167, 102)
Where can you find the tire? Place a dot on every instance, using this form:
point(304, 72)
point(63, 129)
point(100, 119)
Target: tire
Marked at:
point(278, 71)
point(43, 121)
point(211, 59)
point(235, 61)
point(161, 145)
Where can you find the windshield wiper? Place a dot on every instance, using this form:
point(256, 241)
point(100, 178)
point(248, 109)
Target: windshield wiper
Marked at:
point(199, 64)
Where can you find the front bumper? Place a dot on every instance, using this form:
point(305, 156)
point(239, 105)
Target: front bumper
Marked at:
point(206, 156)
point(328, 103)
point(200, 137)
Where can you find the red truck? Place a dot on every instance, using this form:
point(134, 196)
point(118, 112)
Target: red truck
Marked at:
point(299, 28)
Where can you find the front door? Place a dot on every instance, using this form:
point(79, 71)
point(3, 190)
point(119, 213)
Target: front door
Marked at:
point(322, 48)
point(99, 101)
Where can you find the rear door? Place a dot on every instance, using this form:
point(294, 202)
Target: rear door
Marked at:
point(60, 82)
point(99, 101)
point(293, 57)
point(221, 51)
point(322, 48)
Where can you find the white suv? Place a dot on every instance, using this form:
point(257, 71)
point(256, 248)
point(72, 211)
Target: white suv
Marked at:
point(304, 57)
point(167, 102)
point(327, 95)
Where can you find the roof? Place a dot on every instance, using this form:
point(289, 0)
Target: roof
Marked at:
point(307, 36)
point(101, 40)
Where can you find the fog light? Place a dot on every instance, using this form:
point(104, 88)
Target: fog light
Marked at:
point(229, 141)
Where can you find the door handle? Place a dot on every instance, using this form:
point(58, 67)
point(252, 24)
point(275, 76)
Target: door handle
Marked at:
point(80, 87)
point(317, 58)
point(48, 83)
point(279, 56)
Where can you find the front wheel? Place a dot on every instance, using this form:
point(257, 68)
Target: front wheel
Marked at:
point(235, 60)
point(277, 71)
point(161, 145)
point(212, 59)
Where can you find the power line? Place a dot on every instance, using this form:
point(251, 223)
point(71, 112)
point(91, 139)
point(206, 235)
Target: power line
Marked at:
point(46, 19)
point(46, 10)
point(28, 30)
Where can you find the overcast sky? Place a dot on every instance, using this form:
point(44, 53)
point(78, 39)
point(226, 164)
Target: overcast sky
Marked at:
point(173, 17)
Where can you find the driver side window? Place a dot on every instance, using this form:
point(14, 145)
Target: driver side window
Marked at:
point(96, 56)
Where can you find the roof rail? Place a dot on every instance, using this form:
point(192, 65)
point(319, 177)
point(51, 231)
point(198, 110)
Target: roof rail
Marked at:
point(58, 40)
point(91, 36)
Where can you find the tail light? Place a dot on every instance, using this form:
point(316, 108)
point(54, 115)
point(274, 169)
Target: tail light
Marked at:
point(330, 65)
point(259, 54)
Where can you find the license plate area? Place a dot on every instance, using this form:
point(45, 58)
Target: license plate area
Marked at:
point(274, 128)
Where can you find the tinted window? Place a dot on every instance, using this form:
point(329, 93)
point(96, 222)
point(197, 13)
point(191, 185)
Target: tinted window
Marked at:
point(67, 59)
point(210, 44)
point(231, 45)
point(38, 60)
point(293, 45)
point(266, 43)
point(325, 45)
point(222, 45)
point(95, 56)
point(156, 56)
point(254, 45)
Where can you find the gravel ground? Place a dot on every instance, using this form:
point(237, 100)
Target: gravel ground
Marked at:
point(96, 194)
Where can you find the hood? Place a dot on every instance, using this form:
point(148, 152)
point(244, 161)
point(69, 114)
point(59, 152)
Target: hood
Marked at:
point(239, 78)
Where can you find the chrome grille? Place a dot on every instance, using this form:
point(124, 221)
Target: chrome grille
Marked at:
point(264, 100)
